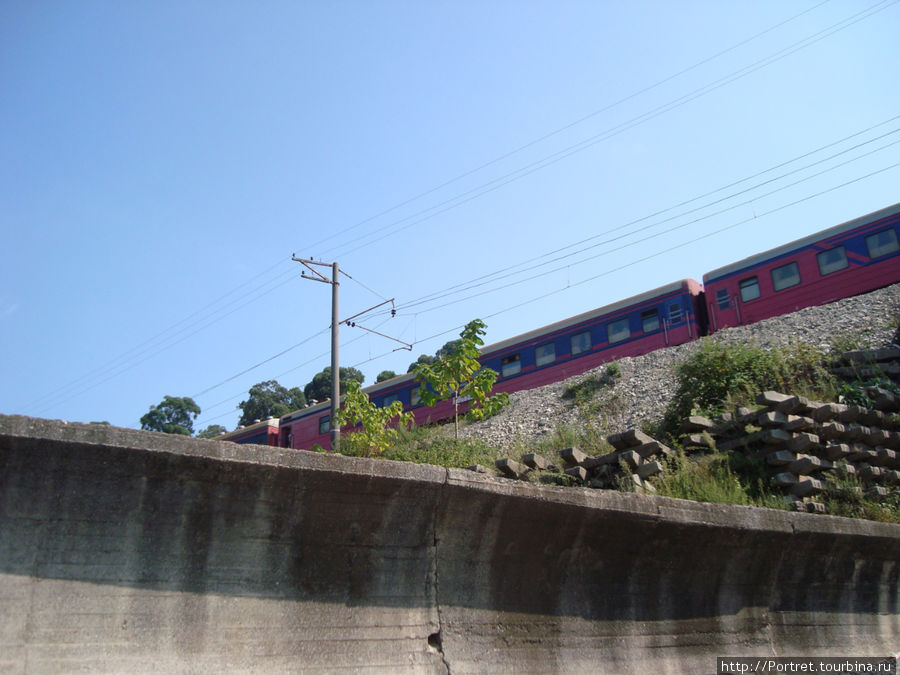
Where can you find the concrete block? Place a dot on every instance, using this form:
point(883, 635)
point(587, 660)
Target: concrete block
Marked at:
point(851, 414)
point(628, 439)
point(861, 453)
point(845, 469)
point(891, 477)
point(774, 399)
point(578, 472)
point(780, 458)
point(876, 437)
point(511, 468)
point(878, 491)
point(870, 473)
point(697, 441)
point(808, 464)
point(535, 461)
point(855, 432)
point(831, 431)
point(803, 442)
point(873, 418)
point(808, 486)
point(797, 423)
point(610, 458)
point(886, 457)
point(785, 479)
point(872, 355)
point(804, 464)
point(572, 456)
point(772, 418)
point(828, 411)
point(835, 451)
point(815, 507)
point(893, 440)
point(649, 469)
point(695, 423)
point(775, 437)
point(653, 449)
point(631, 458)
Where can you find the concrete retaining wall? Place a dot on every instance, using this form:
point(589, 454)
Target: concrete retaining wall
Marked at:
point(133, 551)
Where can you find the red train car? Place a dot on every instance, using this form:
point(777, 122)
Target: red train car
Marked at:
point(855, 257)
point(259, 433)
point(666, 316)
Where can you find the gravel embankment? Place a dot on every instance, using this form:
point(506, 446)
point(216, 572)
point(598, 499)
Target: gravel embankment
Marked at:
point(648, 382)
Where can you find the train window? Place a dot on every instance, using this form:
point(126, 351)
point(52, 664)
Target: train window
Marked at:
point(324, 424)
point(832, 261)
point(619, 330)
point(415, 398)
point(581, 342)
point(785, 276)
point(510, 365)
point(390, 399)
point(675, 313)
point(882, 243)
point(649, 321)
point(749, 289)
point(544, 354)
point(722, 300)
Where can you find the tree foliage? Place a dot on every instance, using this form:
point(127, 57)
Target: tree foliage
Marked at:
point(458, 374)
point(212, 431)
point(375, 433)
point(385, 375)
point(174, 415)
point(270, 399)
point(319, 387)
point(438, 355)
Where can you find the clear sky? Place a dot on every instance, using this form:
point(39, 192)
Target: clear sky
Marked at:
point(520, 162)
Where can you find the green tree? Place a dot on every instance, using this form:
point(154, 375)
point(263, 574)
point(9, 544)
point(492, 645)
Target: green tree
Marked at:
point(174, 415)
point(457, 373)
point(270, 399)
point(447, 349)
point(375, 434)
point(212, 431)
point(385, 375)
point(319, 387)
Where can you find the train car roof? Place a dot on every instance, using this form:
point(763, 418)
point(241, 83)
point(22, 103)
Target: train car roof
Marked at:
point(591, 314)
point(256, 426)
point(799, 243)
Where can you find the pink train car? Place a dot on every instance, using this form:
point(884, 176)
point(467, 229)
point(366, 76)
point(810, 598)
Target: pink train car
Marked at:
point(855, 257)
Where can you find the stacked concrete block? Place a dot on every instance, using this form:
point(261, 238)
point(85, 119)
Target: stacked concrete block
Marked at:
point(636, 459)
point(803, 441)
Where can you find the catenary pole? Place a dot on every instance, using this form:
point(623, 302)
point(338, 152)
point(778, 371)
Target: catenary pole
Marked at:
point(335, 359)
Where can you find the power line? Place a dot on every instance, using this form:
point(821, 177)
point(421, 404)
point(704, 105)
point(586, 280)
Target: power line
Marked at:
point(555, 157)
point(466, 285)
point(568, 126)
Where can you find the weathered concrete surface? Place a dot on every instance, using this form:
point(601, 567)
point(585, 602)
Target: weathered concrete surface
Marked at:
point(132, 551)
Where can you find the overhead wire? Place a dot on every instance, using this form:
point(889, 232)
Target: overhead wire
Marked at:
point(555, 157)
point(460, 285)
point(570, 125)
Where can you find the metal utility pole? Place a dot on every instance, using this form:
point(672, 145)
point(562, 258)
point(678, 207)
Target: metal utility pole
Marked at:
point(335, 361)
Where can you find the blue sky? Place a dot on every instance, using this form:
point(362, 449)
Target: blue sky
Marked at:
point(161, 162)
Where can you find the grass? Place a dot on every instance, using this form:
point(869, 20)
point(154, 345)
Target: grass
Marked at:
point(427, 445)
point(719, 376)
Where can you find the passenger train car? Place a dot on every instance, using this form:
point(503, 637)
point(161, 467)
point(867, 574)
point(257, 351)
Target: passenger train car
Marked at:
point(849, 259)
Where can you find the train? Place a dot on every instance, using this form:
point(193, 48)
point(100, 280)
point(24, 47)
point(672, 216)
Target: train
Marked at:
point(855, 257)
